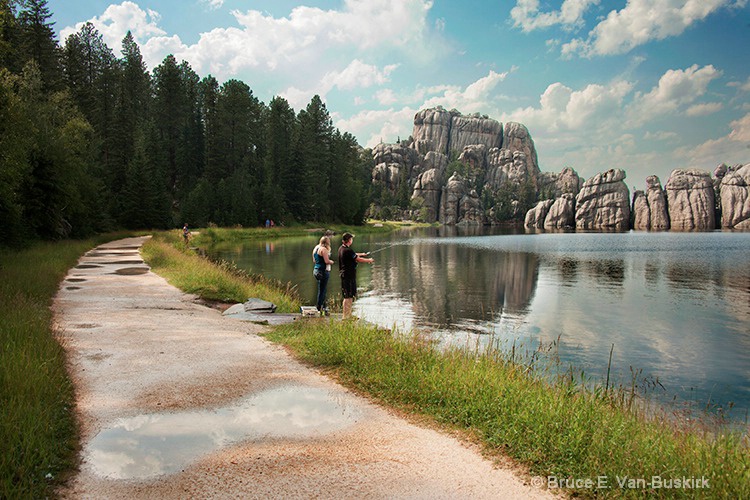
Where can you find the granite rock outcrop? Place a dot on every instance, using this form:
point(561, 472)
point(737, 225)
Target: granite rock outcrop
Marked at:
point(691, 200)
point(650, 207)
point(735, 197)
point(604, 202)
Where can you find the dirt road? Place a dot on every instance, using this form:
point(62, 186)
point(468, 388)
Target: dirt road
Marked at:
point(177, 401)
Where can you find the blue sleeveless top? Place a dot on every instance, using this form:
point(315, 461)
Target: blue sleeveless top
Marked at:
point(320, 262)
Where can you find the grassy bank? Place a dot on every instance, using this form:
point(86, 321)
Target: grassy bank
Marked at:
point(184, 269)
point(210, 235)
point(37, 425)
point(556, 429)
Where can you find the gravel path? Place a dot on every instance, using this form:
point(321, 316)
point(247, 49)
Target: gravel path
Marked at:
point(177, 401)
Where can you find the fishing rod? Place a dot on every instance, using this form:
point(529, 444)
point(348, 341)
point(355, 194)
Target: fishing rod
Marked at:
point(381, 249)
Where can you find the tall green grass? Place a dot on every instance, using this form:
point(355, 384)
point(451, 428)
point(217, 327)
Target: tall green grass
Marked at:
point(559, 429)
point(37, 423)
point(221, 281)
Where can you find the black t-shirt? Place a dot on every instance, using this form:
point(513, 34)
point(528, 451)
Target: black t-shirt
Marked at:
point(347, 262)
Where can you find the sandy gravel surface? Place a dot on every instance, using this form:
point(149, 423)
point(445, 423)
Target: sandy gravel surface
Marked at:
point(176, 401)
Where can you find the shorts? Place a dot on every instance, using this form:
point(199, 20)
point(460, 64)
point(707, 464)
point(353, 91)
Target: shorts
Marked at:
point(349, 287)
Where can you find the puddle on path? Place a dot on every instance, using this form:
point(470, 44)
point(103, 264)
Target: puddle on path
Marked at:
point(164, 443)
point(132, 271)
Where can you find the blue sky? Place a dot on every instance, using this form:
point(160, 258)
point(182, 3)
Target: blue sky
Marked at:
point(643, 85)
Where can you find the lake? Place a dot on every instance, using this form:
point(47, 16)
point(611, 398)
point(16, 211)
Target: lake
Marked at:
point(674, 308)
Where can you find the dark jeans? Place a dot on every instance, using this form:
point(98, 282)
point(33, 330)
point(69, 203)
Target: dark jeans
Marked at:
point(322, 277)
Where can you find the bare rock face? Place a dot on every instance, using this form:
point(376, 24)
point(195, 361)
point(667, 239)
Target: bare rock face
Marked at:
point(470, 209)
point(641, 211)
point(516, 137)
point(392, 162)
point(387, 174)
point(469, 130)
point(567, 181)
point(650, 207)
point(504, 165)
point(657, 202)
point(474, 155)
point(536, 216)
point(735, 197)
point(690, 198)
point(432, 128)
point(429, 188)
point(450, 201)
point(604, 202)
point(561, 213)
point(444, 131)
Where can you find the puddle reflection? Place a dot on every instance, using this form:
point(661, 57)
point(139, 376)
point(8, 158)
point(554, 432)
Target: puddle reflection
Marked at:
point(155, 444)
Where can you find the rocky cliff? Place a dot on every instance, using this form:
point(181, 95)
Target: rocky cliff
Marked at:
point(650, 207)
point(735, 197)
point(691, 200)
point(493, 158)
point(604, 202)
point(458, 169)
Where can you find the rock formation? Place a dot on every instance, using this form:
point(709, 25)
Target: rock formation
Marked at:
point(450, 199)
point(501, 162)
point(691, 202)
point(555, 185)
point(735, 197)
point(561, 213)
point(604, 202)
point(445, 131)
point(536, 216)
point(428, 188)
point(650, 207)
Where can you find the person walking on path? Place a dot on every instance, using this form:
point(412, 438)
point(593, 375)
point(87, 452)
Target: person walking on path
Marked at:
point(186, 234)
point(322, 271)
point(348, 260)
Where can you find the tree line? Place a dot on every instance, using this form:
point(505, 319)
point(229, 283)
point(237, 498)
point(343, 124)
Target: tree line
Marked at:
point(90, 142)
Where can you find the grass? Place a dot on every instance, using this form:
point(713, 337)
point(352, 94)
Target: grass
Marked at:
point(38, 436)
point(218, 234)
point(557, 429)
point(218, 281)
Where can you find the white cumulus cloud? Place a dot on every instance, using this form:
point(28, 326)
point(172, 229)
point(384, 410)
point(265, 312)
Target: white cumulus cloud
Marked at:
point(117, 20)
point(526, 14)
point(731, 149)
point(704, 109)
point(642, 21)
point(676, 88)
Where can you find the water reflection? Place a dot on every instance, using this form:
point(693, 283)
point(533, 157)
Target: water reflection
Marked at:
point(675, 305)
point(163, 443)
point(447, 282)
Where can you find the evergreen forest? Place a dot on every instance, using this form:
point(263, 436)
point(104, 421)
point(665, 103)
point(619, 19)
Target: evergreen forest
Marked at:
point(91, 142)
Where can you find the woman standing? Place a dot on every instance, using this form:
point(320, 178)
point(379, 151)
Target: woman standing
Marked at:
point(322, 270)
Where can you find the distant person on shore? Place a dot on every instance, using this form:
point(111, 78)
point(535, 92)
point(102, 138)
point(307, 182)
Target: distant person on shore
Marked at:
point(186, 234)
point(322, 271)
point(348, 260)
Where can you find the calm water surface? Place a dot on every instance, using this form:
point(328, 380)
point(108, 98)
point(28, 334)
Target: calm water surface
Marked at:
point(676, 306)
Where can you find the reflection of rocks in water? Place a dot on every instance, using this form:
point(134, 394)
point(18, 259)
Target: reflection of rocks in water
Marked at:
point(567, 269)
point(652, 273)
point(608, 272)
point(736, 284)
point(449, 282)
point(687, 276)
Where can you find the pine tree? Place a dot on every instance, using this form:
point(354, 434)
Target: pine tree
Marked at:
point(279, 179)
point(38, 42)
point(132, 108)
point(10, 34)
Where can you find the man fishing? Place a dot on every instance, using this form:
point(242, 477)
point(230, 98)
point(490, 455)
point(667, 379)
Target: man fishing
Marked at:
point(348, 260)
